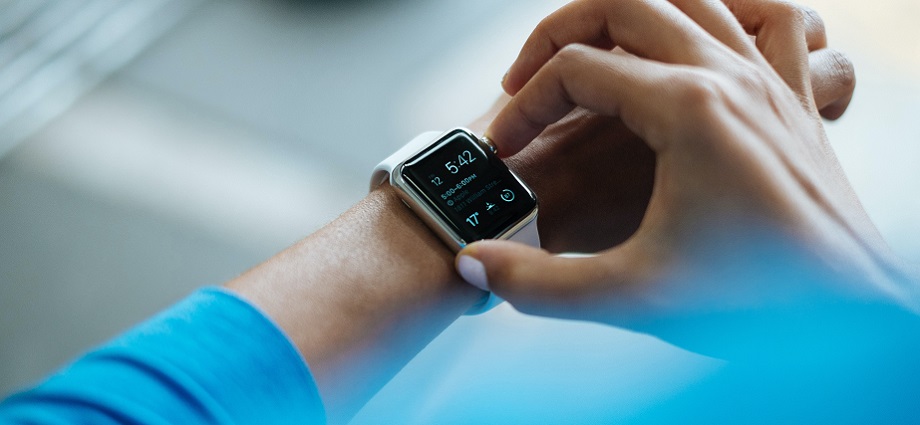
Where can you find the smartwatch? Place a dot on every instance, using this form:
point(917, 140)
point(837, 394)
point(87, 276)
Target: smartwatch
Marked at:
point(457, 185)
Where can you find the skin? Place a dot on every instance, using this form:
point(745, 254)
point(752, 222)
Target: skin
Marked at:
point(723, 95)
point(363, 295)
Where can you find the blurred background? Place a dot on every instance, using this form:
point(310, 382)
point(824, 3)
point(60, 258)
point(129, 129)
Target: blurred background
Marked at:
point(150, 147)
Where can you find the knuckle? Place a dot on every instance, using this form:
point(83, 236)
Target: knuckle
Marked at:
point(842, 70)
point(753, 80)
point(572, 53)
point(699, 90)
point(790, 13)
point(543, 29)
point(811, 19)
point(798, 19)
point(528, 116)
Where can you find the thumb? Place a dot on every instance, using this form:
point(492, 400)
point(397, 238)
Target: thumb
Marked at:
point(537, 282)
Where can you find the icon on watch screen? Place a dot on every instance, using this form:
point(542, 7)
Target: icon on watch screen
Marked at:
point(507, 195)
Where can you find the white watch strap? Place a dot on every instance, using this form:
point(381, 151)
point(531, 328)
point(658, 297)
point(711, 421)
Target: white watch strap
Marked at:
point(383, 172)
point(528, 235)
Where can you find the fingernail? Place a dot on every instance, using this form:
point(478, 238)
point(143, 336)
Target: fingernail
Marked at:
point(505, 77)
point(473, 272)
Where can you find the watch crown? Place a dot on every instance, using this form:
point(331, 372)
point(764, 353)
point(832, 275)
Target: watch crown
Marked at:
point(488, 142)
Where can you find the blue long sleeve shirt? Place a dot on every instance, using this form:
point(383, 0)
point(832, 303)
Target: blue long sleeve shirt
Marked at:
point(215, 359)
point(211, 359)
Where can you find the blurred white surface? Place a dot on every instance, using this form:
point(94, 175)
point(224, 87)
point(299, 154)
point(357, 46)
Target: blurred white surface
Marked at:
point(53, 52)
point(255, 123)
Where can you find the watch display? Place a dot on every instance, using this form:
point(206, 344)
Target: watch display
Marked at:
point(471, 190)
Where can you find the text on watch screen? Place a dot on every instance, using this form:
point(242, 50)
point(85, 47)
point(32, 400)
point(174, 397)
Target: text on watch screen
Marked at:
point(474, 192)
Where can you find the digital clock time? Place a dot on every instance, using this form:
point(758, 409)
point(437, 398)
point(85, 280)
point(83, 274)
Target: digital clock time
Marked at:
point(472, 192)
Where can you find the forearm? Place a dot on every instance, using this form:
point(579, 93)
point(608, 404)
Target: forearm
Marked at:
point(358, 299)
point(361, 297)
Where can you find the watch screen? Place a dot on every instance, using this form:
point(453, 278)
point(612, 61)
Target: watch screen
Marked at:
point(474, 192)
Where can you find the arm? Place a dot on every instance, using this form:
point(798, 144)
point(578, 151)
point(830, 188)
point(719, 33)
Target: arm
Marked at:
point(361, 297)
point(358, 299)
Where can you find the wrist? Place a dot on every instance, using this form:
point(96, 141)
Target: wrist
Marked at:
point(419, 264)
point(360, 297)
point(376, 261)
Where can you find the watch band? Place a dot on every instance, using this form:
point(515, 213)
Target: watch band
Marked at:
point(527, 234)
point(383, 170)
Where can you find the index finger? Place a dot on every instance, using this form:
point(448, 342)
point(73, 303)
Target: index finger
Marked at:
point(641, 92)
point(606, 24)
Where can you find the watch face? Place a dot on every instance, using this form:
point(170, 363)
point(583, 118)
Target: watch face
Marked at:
point(472, 191)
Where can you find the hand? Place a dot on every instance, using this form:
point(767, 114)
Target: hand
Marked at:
point(741, 157)
point(614, 169)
